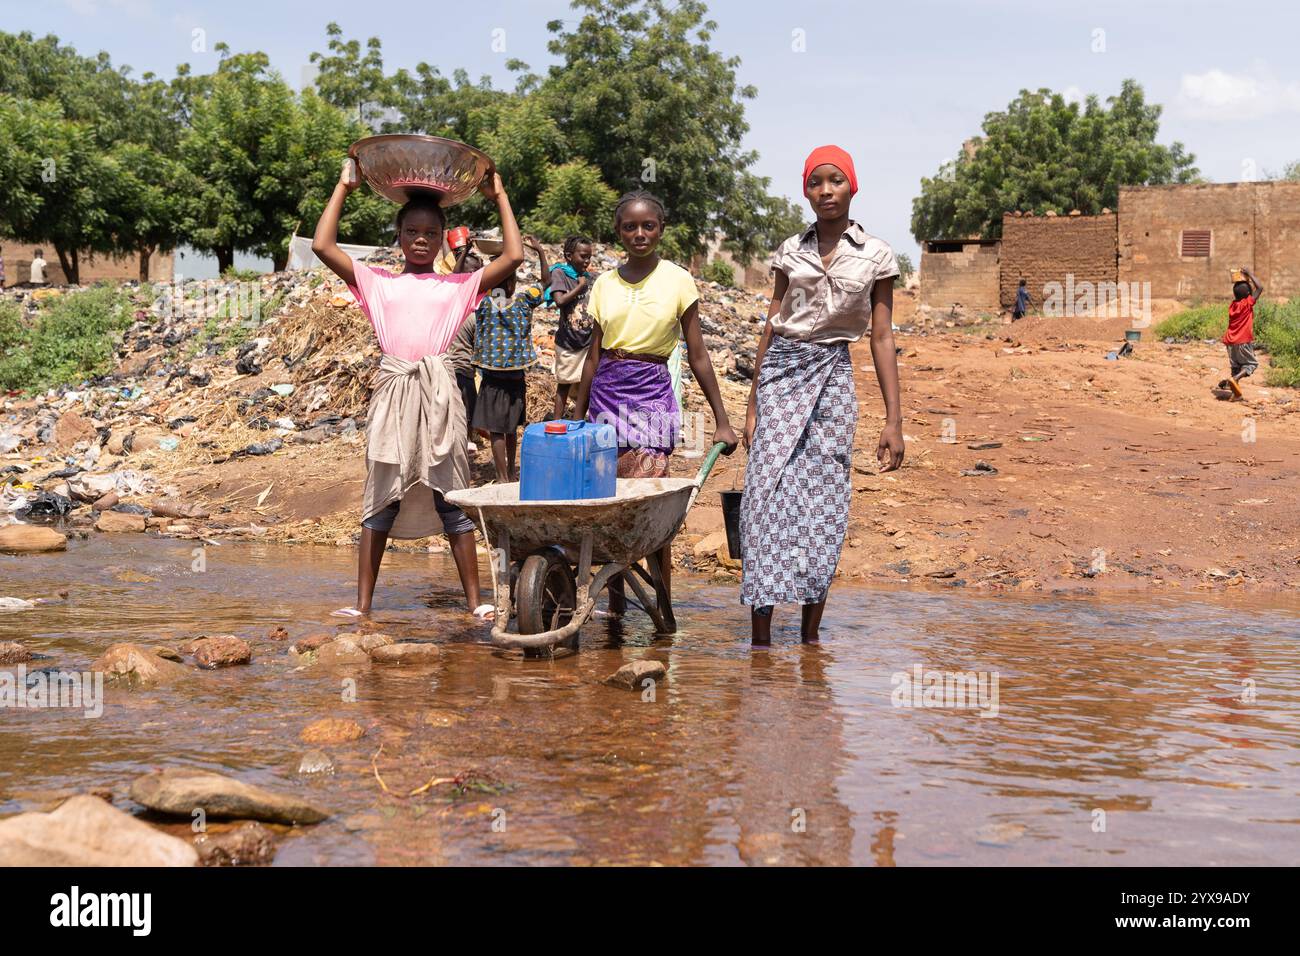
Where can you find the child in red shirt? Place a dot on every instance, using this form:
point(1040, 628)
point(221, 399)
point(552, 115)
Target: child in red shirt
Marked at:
point(1240, 337)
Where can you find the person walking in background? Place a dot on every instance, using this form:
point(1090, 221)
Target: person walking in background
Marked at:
point(834, 283)
point(1022, 302)
point(570, 284)
point(1240, 336)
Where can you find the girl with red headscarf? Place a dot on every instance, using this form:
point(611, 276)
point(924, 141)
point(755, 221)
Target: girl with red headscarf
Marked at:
point(834, 283)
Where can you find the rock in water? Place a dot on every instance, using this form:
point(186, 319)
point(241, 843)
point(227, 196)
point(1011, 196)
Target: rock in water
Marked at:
point(223, 650)
point(118, 521)
point(405, 653)
point(137, 666)
point(346, 650)
point(180, 791)
point(23, 538)
point(632, 676)
point(11, 652)
point(315, 761)
point(249, 844)
point(86, 831)
point(331, 731)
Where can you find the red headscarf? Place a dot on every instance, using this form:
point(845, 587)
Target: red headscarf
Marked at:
point(837, 158)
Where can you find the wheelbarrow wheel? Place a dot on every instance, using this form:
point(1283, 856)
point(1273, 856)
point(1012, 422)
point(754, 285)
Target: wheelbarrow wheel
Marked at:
point(546, 593)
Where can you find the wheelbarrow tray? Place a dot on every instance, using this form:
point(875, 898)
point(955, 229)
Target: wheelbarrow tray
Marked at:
point(642, 517)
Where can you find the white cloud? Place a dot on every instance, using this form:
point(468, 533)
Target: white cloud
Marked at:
point(1219, 95)
point(1072, 94)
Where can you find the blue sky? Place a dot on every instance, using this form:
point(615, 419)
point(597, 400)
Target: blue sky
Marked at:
point(899, 85)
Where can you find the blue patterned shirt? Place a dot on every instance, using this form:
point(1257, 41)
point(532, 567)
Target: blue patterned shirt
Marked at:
point(503, 338)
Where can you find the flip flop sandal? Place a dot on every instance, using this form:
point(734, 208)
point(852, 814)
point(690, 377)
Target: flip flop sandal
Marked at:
point(345, 612)
point(485, 613)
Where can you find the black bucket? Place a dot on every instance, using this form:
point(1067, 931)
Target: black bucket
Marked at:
point(731, 517)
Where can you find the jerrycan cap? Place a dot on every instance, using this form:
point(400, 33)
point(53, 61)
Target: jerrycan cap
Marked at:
point(556, 428)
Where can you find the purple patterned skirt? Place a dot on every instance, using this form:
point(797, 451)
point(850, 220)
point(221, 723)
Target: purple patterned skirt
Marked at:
point(637, 399)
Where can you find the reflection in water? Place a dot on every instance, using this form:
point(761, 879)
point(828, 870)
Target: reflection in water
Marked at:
point(1145, 732)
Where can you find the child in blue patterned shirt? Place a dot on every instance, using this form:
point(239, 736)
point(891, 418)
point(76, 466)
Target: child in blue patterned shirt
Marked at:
point(503, 350)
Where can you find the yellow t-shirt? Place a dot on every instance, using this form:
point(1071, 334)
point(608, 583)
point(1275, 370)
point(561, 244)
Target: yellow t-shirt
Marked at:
point(644, 318)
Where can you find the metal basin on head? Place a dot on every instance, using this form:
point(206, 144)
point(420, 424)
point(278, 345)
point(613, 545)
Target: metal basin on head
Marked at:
point(399, 166)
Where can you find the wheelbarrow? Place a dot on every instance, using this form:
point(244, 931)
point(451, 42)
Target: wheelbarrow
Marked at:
point(551, 559)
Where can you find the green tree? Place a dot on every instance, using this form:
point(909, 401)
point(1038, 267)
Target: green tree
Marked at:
point(753, 222)
point(238, 130)
point(641, 92)
point(350, 80)
point(1043, 153)
point(56, 179)
point(89, 91)
point(576, 201)
point(905, 267)
point(307, 170)
point(146, 205)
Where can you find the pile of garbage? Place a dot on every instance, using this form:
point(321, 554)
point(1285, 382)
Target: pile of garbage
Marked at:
point(214, 370)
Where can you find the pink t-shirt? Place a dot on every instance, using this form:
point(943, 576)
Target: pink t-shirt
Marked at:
point(415, 314)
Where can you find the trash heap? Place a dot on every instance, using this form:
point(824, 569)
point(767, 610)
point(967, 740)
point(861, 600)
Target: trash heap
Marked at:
point(212, 371)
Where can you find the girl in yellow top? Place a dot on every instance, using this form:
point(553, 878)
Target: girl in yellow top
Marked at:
point(639, 310)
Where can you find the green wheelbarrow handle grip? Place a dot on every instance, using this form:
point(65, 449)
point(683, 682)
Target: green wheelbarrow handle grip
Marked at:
point(710, 460)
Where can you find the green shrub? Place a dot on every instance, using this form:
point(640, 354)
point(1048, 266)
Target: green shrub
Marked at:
point(13, 331)
point(719, 272)
point(73, 339)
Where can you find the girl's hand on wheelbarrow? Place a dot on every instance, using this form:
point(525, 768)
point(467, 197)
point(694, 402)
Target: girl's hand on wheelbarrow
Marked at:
point(724, 434)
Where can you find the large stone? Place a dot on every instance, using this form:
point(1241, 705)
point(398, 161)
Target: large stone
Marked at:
point(87, 831)
point(405, 654)
point(11, 652)
point(310, 643)
point(180, 791)
point(331, 730)
point(223, 650)
point(369, 642)
point(631, 676)
point(346, 650)
point(249, 844)
point(73, 428)
point(118, 521)
point(137, 666)
point(709, 544)
point(28, 538)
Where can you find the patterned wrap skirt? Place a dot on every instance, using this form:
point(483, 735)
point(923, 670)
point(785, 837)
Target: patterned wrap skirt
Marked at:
point(637, 399)
point(795, 509)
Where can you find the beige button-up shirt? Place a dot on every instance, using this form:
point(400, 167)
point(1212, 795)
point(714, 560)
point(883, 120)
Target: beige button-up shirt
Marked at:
point(830, 305)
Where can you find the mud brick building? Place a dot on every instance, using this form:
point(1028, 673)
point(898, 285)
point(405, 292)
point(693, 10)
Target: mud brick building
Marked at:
point(960, 272)
point(1185, 240)
point(1044, 249)
point(18, 265)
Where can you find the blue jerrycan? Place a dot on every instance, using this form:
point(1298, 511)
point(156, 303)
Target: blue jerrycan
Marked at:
point(567, 460)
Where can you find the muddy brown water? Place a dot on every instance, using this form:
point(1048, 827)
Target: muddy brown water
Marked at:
point(1139, 708)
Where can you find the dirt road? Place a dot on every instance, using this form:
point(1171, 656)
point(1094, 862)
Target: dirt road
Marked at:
point(1114, 475)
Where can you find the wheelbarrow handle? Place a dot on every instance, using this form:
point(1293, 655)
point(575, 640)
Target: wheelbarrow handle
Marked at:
point(710, 460)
